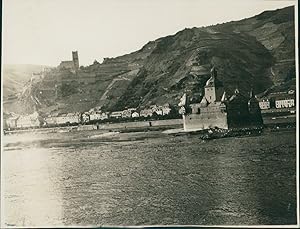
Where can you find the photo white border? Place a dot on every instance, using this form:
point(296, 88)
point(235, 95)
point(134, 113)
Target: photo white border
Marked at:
point(179, 226)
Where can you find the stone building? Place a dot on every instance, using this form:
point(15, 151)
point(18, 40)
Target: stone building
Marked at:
point(156, 109)
point(135, 114)
point(11, 122)
point(128, 112)
point(146, 113)
point(166, 109)
point(284, 101)
point(85, 117)
point(98, 115)
point(264, 103)
point(116, 114)
point(26, 121)
point(217, 110)
point(69, 118)
point(95, 115)
point(278, 100)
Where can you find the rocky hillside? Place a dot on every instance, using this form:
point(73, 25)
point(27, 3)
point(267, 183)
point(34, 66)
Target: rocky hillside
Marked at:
point(257, 52)
point(16, 76)
point(15, 80)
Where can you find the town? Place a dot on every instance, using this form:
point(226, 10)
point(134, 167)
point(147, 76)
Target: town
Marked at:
point(212, 111)
point(272, 108)
point(93, 116)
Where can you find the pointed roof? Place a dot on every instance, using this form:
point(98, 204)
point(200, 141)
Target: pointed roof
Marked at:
point(213, 81)
point(183, 100)
point(252, 99)
point(224, 97)
point(251, 93)
point(204, 102)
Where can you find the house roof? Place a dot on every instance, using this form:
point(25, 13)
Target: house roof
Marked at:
point(283, 96)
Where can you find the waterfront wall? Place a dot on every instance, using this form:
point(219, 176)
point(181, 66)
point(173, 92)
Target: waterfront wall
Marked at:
point(142, 124)
point(201, 122)
point(279, 120)
point(87, 127)
point(107, 126)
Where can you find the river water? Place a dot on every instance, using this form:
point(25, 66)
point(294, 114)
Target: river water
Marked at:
point(91, 178)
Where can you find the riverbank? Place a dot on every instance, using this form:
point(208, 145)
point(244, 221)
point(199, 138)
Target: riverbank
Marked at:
point(216, 133)
point(170, 126)
point(106, 127)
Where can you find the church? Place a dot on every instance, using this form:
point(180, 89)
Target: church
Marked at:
point(216, 110)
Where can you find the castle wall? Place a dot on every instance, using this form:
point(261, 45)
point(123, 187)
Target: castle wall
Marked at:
point(219, 93)
point(239, 116)
point(205, 121)
point(67, 64)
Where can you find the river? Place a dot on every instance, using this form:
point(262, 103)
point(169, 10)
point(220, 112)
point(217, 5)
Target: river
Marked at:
point(104, 179)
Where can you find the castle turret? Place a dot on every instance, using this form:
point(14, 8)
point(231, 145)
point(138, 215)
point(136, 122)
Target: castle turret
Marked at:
point(75, 59)
point(254, 110)
point(214, 88)
point(253, 104)
point(203, 102)
point(224, 97)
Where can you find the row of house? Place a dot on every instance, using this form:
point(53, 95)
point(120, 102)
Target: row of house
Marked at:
point(34, 120)
point(23, 121)
point(278, 100)
point(146, 112)
point(127, 113)
point(63, 119)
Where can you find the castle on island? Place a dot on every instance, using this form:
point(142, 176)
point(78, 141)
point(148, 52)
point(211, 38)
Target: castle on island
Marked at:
point(216, 110)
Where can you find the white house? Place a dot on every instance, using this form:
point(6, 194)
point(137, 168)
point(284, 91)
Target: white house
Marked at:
point(284, 102)
point(95, 115)
point(85, 117)
point(146, 113)
point(116, 114)
point(264, 103)
point(135, 115)
point(31, 120)
point(166, 109)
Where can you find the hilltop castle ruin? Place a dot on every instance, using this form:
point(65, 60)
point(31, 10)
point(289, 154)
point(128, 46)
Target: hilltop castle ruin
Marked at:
point(72, 65)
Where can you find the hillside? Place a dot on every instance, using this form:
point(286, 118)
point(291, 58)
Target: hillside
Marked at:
point(257, 52)
point(15, 79)
point(16, 76)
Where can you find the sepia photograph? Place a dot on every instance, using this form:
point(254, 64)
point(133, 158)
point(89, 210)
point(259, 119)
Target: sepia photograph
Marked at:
point(149, 113)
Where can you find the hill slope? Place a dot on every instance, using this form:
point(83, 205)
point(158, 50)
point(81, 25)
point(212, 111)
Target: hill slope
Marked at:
point(16, 76)
point(256, 52)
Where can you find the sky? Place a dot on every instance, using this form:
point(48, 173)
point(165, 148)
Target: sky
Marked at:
point(47, 31)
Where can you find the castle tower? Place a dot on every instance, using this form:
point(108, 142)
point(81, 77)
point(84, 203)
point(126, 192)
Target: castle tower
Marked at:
point(253, 104)
point(75, 59)
point(214, 88)
point(254, 110)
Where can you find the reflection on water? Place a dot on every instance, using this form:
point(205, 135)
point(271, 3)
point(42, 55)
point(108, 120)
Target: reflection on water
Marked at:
point(90, 178)
point(31, 195)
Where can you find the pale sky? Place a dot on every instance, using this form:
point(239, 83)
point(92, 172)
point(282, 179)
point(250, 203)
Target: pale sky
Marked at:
point(46, 31)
